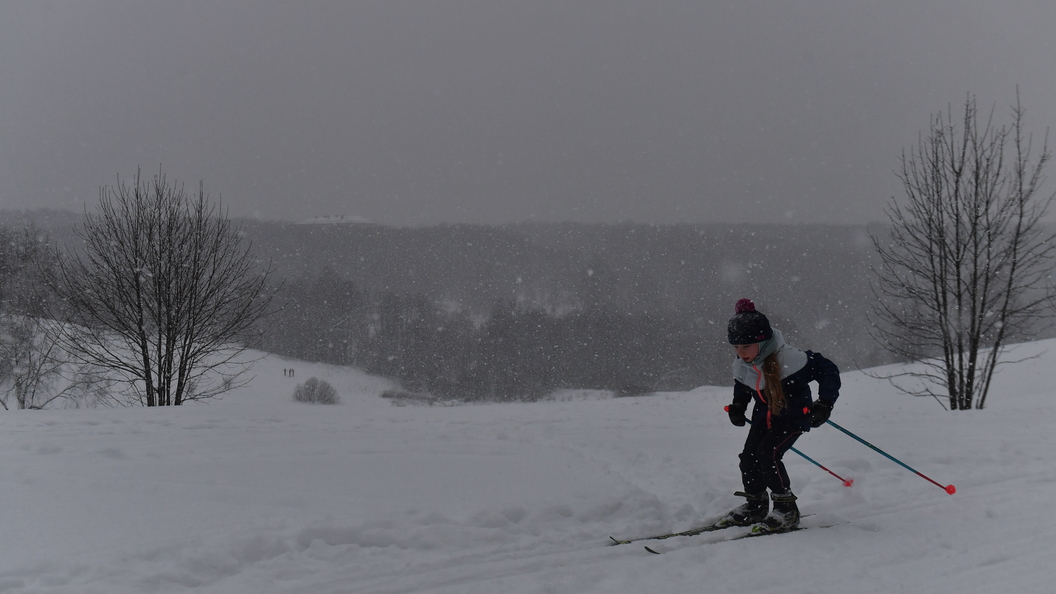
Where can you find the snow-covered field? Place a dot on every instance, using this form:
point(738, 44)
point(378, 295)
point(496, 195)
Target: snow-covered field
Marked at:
point(256, 494)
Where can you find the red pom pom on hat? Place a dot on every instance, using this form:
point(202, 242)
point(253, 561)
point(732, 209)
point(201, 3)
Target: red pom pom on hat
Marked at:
point(744, 306)
point(748, 325)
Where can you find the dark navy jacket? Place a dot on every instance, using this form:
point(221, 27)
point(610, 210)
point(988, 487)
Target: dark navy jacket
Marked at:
point(796, 385)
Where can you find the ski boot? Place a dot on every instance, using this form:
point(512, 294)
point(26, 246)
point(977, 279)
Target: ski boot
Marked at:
point(785, 515)
point(750, 513)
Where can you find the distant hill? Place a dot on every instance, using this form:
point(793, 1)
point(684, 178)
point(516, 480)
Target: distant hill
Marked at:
point(812, 280)
point(337, 220)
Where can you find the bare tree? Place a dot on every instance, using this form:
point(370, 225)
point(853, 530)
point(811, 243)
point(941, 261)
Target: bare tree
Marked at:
point(41, 371)
point(34, 364)
point(164, 294)
point(968, 261)
point(31, 363)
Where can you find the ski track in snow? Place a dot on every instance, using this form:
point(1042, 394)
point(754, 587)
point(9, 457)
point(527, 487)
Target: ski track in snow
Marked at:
point(255, 493)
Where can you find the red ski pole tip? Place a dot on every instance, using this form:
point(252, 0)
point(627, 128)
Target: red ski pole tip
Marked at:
point(848, 482)
point(951, 489)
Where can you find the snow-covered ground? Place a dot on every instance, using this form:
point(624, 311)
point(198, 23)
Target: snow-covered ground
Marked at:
point(256, 493)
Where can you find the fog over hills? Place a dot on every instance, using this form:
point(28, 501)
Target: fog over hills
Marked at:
point(812, 280)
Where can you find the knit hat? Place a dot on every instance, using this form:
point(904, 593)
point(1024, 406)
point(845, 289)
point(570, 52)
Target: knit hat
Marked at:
point(748, 326)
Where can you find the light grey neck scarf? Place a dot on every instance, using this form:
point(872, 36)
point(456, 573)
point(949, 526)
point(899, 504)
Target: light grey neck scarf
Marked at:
point(790, 358)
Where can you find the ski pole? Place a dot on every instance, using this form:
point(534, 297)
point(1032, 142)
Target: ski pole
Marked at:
point(846, 482)
point(949, 488)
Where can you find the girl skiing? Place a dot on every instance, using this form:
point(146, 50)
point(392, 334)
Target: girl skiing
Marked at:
point(775, 375)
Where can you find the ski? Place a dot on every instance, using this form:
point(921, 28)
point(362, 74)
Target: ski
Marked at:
point(691, 532)
point(757, 530)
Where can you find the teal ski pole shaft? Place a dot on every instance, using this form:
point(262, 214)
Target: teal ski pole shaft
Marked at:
point(949, 488)
point(846, 482)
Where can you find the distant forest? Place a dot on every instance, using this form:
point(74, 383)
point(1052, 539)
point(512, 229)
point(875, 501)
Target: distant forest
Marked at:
point(516, 311)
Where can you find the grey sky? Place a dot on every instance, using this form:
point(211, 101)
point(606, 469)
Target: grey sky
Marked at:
point(422, 112)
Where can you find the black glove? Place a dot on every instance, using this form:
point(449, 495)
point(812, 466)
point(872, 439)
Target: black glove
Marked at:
point(737, 413)
point(819, 413)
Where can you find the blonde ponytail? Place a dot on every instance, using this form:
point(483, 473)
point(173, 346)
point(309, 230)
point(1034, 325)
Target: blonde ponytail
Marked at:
point(775, 394)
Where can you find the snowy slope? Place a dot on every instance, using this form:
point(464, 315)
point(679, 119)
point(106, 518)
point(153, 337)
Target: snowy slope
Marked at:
point(256, 493)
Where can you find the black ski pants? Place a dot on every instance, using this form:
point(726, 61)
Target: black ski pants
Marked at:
point(761, 466)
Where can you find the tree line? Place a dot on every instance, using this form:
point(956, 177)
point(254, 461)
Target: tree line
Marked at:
point(516, 351)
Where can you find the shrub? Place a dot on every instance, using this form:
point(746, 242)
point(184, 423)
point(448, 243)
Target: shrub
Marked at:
point(315, 391)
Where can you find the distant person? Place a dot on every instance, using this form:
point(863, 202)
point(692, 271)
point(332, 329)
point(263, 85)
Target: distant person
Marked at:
point(777, 376)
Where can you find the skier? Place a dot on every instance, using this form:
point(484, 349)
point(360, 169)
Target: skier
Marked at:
point(776, 375)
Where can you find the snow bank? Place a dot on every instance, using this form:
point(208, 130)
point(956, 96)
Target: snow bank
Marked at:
point(258, 493)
